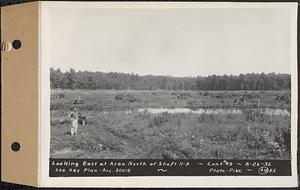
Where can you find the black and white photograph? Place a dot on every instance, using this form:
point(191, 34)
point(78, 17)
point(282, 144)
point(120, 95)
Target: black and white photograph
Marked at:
point(170, 89)
point(171, 84)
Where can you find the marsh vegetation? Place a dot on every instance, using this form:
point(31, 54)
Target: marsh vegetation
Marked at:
point(164, 124)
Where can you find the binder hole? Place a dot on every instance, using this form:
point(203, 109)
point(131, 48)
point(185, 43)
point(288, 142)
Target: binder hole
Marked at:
point(16, 44)
point(15, 146)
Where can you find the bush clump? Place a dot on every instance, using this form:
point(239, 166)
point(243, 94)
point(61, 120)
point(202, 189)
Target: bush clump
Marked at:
point(205, 94)
point(184, 95)
point(119, 96)
point(132, 98)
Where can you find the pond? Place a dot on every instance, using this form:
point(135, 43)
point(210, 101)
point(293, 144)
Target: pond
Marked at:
point(267, 111)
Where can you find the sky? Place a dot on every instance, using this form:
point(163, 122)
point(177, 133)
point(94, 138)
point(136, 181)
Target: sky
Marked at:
point(174, 42)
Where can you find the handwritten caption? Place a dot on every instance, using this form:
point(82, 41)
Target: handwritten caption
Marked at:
point(93, 167)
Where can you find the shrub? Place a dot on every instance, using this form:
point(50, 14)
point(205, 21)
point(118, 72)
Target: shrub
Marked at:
point(184, 95)
point(283, 138)
point(286, 98)
point(119, 96)
point(132, 98)
point(205, 94)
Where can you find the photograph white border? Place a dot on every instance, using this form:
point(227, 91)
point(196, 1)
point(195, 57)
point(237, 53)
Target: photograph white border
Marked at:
point(155, 181)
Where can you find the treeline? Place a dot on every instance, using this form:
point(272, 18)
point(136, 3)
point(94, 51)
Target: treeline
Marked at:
point(123, 81)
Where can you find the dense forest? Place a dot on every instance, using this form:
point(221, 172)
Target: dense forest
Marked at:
point(124, 81)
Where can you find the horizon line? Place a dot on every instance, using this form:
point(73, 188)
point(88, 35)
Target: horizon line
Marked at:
point(167, 75)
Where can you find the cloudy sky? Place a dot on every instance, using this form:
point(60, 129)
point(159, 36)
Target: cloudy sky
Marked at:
point(176, 42)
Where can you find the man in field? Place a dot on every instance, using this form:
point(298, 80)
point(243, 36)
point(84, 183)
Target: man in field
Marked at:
point(74, 117)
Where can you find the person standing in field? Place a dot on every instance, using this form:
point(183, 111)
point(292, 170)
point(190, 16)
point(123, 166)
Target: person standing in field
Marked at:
point(74, 117)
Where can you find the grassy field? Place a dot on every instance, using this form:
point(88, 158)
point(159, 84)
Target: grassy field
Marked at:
point(114, 132)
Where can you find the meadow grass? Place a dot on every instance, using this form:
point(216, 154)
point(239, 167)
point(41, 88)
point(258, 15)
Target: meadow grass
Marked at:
point(112, 133)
